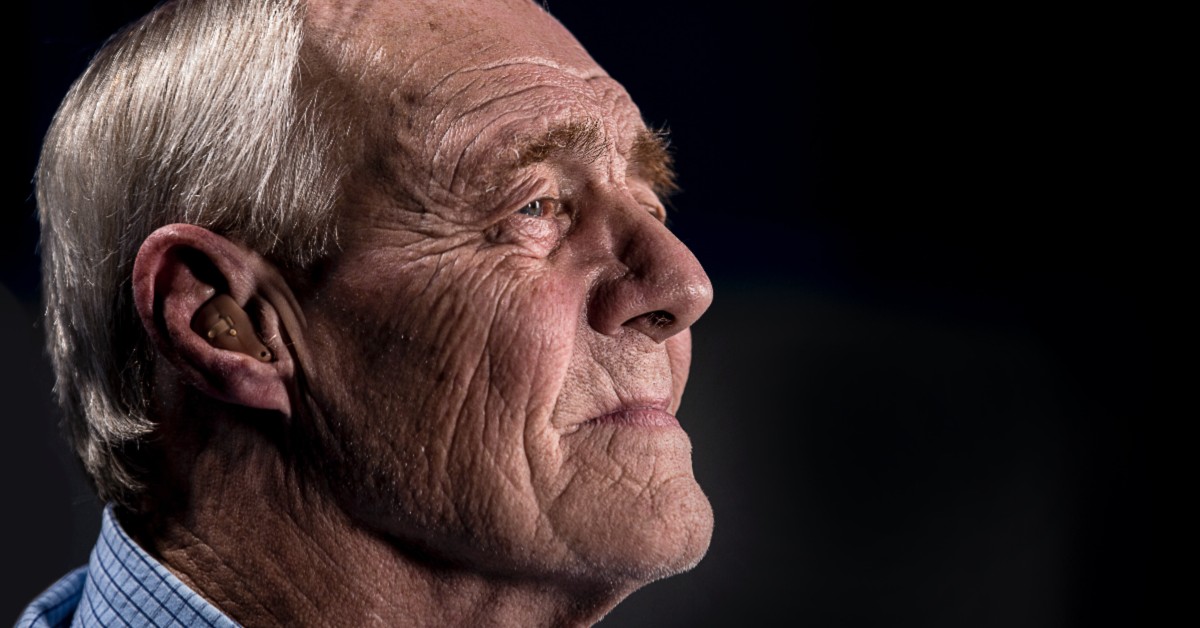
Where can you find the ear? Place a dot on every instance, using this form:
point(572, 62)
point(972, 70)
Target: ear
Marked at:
point(181, 276)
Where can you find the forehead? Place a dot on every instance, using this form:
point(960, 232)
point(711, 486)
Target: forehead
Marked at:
point(417, 43)
point(457, 82)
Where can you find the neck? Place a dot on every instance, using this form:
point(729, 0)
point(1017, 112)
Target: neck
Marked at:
point(268, 550)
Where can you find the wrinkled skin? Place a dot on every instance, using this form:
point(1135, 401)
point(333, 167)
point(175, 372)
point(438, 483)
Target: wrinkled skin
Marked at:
point(465, 346)
point(468, 417)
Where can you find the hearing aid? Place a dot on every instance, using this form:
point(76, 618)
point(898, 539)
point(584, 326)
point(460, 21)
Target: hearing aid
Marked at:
point(226, 325)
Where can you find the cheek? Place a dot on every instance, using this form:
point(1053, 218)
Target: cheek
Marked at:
point(535, 237)
point(496, 449)
point(440, 392)
point(518, 374)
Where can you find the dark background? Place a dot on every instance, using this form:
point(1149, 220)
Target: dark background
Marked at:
point(925, 394)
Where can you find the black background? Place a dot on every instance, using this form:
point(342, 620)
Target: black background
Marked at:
point(925, 394)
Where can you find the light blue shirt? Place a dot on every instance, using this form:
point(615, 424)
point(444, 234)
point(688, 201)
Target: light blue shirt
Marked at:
point(121, 585)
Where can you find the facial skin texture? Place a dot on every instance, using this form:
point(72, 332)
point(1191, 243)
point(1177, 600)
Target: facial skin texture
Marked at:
point(475, 396)
point(484, 340)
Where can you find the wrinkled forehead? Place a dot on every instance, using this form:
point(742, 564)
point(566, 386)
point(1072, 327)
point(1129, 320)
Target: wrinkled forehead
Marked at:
point(456, 82)
point(425, 41)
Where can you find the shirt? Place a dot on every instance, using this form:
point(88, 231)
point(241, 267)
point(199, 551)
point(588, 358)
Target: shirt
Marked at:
point(121, 585)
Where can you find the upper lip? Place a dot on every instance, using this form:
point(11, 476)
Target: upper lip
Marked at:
point(639, 403)
point(647, 402)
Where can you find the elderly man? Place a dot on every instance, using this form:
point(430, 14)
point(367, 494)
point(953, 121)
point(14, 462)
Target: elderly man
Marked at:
point(365, 313)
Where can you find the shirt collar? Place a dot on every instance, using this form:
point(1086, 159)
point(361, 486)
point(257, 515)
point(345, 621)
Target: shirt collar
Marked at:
point(127, 586)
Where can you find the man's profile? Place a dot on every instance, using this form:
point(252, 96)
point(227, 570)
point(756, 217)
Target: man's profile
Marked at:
point(366, 313)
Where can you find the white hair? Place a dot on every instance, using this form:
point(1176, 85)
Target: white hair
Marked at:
point(196, 113)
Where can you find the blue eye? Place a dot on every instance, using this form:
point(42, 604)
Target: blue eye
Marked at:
point(540, 208)
point(533, 208)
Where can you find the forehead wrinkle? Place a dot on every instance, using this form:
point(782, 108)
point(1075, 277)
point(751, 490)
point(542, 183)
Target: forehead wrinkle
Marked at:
point(462, 154)
point(584, 138)
point(581, 74)
point(457, 72)
point(589, 74)
point(450, 129)
point(491, 155)
point(581, 139)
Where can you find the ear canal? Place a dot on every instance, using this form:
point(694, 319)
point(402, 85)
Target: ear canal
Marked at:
point(225, 325)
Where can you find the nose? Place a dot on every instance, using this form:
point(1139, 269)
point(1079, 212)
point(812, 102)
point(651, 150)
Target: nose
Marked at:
point(658, 287)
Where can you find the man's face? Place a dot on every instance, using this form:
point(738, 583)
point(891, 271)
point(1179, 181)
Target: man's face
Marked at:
point(502, 342)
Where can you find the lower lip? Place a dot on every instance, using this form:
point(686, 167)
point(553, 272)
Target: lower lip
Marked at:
point(637, 417)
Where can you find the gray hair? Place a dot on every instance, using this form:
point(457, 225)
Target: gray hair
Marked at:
point(197, 113)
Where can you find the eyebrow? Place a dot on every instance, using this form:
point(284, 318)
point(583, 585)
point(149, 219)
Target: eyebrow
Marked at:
point(649, 156)
point(581, 138)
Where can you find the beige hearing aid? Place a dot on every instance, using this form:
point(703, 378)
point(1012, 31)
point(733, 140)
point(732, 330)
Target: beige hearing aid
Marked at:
point(227, 326)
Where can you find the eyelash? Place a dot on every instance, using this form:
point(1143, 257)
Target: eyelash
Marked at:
point(541, 207)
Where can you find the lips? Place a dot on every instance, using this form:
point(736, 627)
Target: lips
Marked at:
point(646, 414)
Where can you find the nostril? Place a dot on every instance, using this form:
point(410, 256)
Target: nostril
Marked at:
point(659, 319)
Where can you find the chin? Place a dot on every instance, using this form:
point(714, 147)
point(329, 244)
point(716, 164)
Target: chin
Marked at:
point(637, 544)
point(677, 542)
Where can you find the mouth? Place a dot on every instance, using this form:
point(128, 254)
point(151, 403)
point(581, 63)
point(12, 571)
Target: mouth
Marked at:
point(639, 414)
